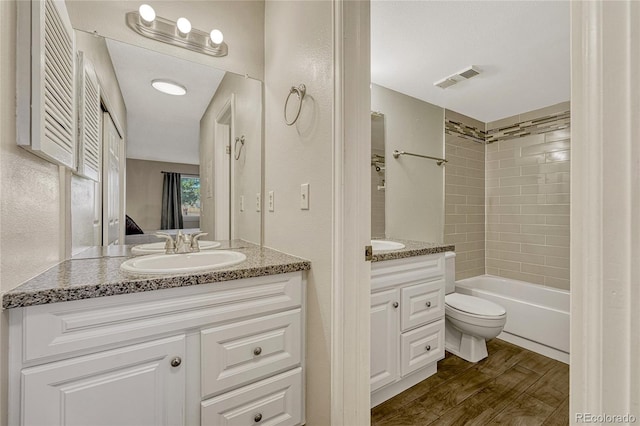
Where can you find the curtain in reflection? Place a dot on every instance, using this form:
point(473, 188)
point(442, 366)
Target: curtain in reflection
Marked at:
point(171, 202)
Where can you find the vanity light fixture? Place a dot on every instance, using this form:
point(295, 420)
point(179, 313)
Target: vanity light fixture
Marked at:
point(147, 14)
point(184, 26)
point(169, 87)
point(145, 22)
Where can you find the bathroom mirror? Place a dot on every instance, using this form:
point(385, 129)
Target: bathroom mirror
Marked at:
point(205, 144)
point(407, 193)
point(378, 178)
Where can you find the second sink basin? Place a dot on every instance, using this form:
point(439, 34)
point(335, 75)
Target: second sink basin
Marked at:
point(182, 263)
point(379, 245)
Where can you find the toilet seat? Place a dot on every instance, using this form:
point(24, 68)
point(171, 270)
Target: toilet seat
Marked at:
point(473, 306)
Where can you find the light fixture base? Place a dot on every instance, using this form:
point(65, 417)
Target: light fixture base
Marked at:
point(166, 31)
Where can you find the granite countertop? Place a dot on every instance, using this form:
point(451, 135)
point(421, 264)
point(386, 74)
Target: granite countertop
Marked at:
point(411, 249)
point(89, 277)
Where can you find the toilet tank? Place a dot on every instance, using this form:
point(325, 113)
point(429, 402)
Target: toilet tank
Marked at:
point(450, 272)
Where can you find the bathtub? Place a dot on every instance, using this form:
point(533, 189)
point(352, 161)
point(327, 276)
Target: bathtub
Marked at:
point(537, 316)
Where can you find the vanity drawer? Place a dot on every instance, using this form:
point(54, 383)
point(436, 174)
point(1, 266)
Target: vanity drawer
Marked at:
point(421, 304)
point(421, 347)
point(53, 330)
point(236, 354)
point(273, 401)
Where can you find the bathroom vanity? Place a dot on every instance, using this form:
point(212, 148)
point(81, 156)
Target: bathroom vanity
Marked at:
point(213, 348)
point(407, 317)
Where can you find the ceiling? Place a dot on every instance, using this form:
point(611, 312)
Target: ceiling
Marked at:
point(162, 127)
point(521, 48)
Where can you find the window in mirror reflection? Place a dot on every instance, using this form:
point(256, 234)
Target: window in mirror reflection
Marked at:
point(190, 194)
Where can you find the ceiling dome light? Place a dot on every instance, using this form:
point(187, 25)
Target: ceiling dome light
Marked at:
point(216, 36)
point(169, 87)
point(147, 13)
point(184, 26)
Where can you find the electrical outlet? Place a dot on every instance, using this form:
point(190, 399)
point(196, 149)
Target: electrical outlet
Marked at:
point(258, 202)
point(304, 196)
point(271, 201)
point(242, 203)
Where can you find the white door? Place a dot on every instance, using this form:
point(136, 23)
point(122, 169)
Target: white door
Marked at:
point(135, 385)
point(384, 338)
point(112, 143)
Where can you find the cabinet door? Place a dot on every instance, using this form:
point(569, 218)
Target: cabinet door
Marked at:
point(134, 385)
point(384, 338)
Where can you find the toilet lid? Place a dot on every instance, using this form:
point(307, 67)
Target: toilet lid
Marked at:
point(473, 305)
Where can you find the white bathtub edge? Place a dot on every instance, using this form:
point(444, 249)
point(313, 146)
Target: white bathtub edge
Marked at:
point(535, 347)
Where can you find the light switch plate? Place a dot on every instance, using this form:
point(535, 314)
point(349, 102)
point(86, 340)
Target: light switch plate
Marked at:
point(271, 201)
point(304, 196)
point(242, 203)
point(258, 202)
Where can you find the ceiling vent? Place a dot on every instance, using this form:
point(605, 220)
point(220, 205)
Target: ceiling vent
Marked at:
point(465, 74)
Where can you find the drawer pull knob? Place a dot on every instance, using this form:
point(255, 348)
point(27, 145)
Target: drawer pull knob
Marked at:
point(396, 304)
point(257, 417)
point(428, 304)
point(428, 348)
point(257, 351)
point(175, 362)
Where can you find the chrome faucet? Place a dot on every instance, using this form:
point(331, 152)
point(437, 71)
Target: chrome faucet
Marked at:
point(184, 243)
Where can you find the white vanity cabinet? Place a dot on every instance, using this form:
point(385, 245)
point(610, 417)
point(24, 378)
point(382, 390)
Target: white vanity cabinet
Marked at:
point(213, 354)
point(407, 323)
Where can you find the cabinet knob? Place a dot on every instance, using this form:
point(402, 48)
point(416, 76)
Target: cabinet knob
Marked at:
point(428, 348)
point(396, 304)
point(428, 304)
point(175, 362)
point(257, 417)
point(257, 351)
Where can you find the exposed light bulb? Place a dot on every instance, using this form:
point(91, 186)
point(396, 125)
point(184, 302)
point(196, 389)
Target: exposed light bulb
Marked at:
point(184, 26)
point(216, 36)
point(169, 87)
point(147, 13)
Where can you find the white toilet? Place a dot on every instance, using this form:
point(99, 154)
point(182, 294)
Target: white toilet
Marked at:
point(469, 320)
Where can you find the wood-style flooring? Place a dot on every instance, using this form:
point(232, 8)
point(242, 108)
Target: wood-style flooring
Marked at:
point(513, 386)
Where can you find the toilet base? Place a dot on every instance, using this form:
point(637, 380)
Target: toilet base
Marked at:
point(470, 348)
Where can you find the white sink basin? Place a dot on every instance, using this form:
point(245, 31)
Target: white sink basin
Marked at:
point(158, 248)
point(380, 245)
point(182, 263)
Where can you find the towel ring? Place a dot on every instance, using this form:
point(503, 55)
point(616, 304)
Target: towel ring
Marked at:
point(235, 146)
point(300, 92)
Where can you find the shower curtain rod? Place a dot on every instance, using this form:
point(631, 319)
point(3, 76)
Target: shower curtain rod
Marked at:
point(439, 161)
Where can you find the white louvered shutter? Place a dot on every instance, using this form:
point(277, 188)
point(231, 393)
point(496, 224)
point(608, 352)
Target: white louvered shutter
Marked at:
point(50, 128)
point(89, 120)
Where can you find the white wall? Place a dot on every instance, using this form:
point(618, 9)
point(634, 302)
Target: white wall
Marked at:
point(415, 186)
point(30, 190)
point(298, 49)
point(248, 168)
point(241, 22)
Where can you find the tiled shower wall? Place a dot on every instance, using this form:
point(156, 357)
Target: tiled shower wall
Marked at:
point(524, 192)
point(527, 193)
point(464, 209)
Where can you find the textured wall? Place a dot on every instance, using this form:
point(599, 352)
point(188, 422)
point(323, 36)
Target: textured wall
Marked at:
point(30, 194)
point(464, 219)
point(299, 49)
point(528, 197)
